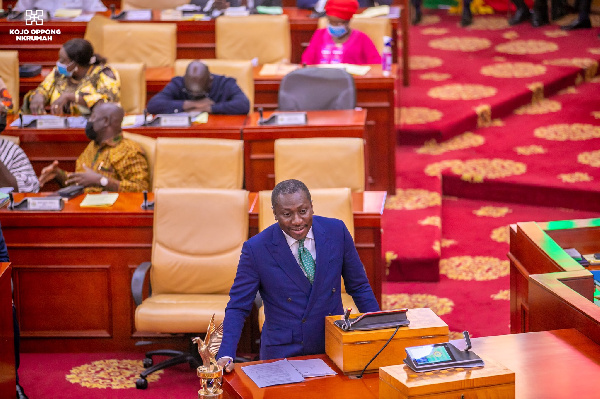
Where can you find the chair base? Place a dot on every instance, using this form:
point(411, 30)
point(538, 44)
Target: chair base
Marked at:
point(177, 357)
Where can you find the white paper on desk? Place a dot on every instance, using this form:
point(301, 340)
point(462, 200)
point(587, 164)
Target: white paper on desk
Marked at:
point(312, 367)
point(76, 122)
point(274, 373)
point(132, 121)
point(138, 15)
point(84, 17)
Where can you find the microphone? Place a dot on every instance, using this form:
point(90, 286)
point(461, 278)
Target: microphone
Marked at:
point(145, 203)
point(347, 324)
point(12, 201)
point(145, 116)
point(467, 340)
point(260, 116)
point(21, 119)
point(112, 10)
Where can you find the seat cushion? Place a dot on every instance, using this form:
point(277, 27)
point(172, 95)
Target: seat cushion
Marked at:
point(177, 313)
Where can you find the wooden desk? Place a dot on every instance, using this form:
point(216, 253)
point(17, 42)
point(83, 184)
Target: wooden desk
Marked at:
point(376, 94)
point(72, 270)
point(259, 168)
point(550, 365)
point(195, 39)
point(44, 146)
point(538, 263)
point(7, 342)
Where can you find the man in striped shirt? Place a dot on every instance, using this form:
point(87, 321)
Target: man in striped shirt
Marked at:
point(15, 169)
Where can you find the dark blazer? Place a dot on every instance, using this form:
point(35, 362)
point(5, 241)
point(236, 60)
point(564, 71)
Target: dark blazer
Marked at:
point(294, 310)
point(228, 97)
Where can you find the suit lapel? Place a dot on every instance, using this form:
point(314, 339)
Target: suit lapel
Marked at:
point(322, 264)
point(285, 259)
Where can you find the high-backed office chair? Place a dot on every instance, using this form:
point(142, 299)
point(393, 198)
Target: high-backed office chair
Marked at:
point(152, 4)
point(266, 37)
point(9, 72)
point(199, 162)
point(197, 242)
point(94, 32)
point(328, 202)
point(375, 28)
point(152, 44)
point(240, 70)
point(133, 86)
point(314, 88)
point(148, 144)
point(321, 162)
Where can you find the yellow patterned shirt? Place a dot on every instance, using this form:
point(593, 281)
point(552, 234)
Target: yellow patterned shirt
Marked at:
point(118, 158)
point(102, 82)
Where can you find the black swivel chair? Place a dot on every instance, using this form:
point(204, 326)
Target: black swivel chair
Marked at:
point(312, 88)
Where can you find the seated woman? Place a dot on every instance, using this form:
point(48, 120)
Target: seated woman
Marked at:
point(79, 80)
point(338, 43)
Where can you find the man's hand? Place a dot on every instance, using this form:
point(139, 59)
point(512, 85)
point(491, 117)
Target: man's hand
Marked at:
point(226, 363)
point(36, 104)
point(204, 105)
point(58, 106)
point(49, 173)
point(85, 179)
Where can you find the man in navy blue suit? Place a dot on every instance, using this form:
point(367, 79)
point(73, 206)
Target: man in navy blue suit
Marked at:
point(297, 266)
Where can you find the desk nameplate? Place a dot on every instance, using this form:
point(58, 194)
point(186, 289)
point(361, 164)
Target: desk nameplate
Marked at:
point(53, 123)
point(175, 121)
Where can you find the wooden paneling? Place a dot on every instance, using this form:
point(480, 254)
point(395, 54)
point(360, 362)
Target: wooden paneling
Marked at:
point(536, 249)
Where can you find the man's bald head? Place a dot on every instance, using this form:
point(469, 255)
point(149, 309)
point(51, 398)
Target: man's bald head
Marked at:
point(197, 80)
point(106, 119)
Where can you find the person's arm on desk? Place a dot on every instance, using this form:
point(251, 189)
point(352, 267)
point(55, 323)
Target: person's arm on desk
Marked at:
point(355, 277)
point(241, 298)
point(232, 100)
point(169, 100)
point(308, 4)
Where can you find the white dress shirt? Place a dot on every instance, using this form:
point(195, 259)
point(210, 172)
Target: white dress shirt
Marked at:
point(309, 243)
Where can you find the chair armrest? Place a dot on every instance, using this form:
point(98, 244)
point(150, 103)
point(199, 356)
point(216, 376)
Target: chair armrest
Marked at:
point(137, 282)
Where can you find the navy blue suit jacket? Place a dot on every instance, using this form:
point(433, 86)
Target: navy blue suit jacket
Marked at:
point(228, 97)
point(295, 310)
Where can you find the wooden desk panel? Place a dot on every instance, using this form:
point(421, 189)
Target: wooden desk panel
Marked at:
point(73, 270)
point(259, 140)
point(533, 251)
point(7, 343)
point(550, 365)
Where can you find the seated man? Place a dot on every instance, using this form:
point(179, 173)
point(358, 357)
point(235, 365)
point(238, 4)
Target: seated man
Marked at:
point(109, 162)
point(199, 90)
point(297, 265)
point(15, 169)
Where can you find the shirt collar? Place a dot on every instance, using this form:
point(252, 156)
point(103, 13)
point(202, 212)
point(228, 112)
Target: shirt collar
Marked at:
point(112, 142)
point(291, 241)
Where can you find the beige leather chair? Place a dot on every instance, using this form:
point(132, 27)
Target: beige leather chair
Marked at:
point(240, 70)
point(94, 32)
point(133, 86)
point(152, 44)
point(148, 144)
point(328, 202)
point(375, 28)
point(9, 72)
point(152, 4)
point(321, 162)
point(197, 242)
point(199, 163)
point(266, 37)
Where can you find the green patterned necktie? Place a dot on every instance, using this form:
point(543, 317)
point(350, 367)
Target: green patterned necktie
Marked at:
point(306, 261)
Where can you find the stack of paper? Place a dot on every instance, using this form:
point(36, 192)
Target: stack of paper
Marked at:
point(279, 69)
point(286, 372)
point(352, 69)
point(99, 200)
point(67, 13)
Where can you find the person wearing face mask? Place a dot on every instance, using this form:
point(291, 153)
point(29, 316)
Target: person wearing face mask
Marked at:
point(15, 169)
point(338, 43)
point(200, 91)
point(79, 80)
point(109, 162)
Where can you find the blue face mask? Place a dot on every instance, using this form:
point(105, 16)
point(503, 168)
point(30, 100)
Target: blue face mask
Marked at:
point(62, 69)
point(337, 31)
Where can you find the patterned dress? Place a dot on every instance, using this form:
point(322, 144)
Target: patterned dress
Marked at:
point(101, 82)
